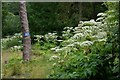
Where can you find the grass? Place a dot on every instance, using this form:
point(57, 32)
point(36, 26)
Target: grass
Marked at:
point(38, 67)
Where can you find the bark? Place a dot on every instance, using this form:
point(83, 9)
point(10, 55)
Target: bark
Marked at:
point(25, 31)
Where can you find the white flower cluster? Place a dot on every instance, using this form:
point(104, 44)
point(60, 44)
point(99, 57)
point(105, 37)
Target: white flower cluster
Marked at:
point(53, 49)
point(69, 41)
point(68, 28)
point(99, 19)
point(38, 37)
point(70, 45)
point(101, 35)
point(47, 37)
point(101, 40)
point(16, 36)
point(101, 14)
point(16, 48)
point(54, 57)
point(67, 32)
point(90, 28)
point(84, 35)
point(62, 49)
point(86, 43)
point(86, 28)
point(78, 35)
point(89, 23)
point(51, 36)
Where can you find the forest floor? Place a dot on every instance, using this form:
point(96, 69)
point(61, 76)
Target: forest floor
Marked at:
point(39, 68)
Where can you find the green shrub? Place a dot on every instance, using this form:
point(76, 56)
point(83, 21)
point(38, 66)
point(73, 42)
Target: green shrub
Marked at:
point(15, 66)
point(11, 24)
point(14, 42)
point(92, 51)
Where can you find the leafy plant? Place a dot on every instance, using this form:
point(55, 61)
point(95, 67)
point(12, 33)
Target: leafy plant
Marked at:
point(14, 42)
point(91, 52)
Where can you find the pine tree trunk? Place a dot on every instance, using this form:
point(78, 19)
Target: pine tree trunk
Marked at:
point(25, 31)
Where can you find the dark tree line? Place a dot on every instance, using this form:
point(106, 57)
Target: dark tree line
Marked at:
point(47, 16)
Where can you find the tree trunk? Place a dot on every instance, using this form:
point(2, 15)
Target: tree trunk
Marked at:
point(25, 31)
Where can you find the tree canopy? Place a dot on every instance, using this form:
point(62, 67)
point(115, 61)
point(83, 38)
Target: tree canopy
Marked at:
point(48, 16)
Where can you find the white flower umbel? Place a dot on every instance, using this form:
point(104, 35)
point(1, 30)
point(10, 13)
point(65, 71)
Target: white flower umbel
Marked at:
point(77, 28)
point(100, 18)
point(85, 27)
point(88, 23)
point(78, 35)
point(58, 50)
point(54, 57)
point(102, 40)
point(101, 35)
point(88, 31)
point(53, 49)
point(93, 21)
point(86, 43)
point(54, 64)
point(76, 43)
point(101, 14)
point(70, 45)
point(16, 48)
point(68, 31)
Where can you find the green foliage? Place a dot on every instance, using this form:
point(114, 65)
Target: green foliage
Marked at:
point(89, 50)
point(58, 15)
point(11, 24)
point(15, 65)
point(92, 52)
point(47, 17)
point(14, 42)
